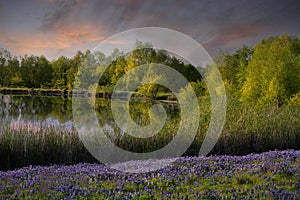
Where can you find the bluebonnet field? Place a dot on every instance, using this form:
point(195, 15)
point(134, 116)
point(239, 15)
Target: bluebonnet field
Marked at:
point(270, 175)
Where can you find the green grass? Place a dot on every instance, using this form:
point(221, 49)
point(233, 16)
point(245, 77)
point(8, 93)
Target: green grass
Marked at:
point(42, 146)
point(247, 129)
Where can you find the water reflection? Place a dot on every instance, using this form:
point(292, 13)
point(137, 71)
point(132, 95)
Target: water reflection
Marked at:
point(32, 113)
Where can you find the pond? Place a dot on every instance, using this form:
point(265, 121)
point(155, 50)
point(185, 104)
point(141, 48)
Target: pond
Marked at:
point(36, 112)
point(40, 130)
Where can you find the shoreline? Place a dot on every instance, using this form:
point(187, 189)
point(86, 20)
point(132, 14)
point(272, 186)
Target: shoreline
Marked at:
point(66, 93)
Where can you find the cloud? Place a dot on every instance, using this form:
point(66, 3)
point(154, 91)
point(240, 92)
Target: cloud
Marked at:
point(61, 13)
point(236, 33)
point(212, 23)
point(83, 32)
point(68, 24)
point(117, 42)
point(50, 1)
point(27, 45)
point(66, 39)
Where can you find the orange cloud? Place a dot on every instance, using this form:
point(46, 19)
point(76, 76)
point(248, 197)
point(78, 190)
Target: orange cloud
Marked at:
point(83, 32)
point(237, 33)
point(53, 1)
point(117, 42)
point(65, 38)
point(27, 45)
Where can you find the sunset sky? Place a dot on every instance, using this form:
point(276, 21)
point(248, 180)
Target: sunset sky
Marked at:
point(53, 28)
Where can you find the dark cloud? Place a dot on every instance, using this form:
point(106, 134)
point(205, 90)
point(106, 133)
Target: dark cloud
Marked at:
point(225, 25)
point(59, 14)
point(221, 24)
point(193, 17)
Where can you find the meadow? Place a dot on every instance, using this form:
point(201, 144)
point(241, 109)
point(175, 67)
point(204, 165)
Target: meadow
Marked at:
point(270, 175)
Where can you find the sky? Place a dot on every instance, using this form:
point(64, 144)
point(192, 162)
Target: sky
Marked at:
point(62, 27)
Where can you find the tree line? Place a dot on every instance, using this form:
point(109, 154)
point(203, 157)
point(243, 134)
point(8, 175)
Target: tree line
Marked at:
point(269, 72)
point(37, 72)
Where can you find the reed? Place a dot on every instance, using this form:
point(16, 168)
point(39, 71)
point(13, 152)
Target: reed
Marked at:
point(39, 145)
point(247, 129)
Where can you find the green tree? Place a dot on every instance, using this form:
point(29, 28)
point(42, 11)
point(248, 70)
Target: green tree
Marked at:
point(75, 62)
point(116, 65)
point(29, 65)
point(232, 68)
point(119, 69)
point(43, 73)
point(5, 68)
point(15, 74)
point(142, 54)
point(60, 68)
point(90, 69)
point(149, 87)
point(273, 73)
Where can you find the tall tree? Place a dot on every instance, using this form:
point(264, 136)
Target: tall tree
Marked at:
point(5, 68)
point(44, 72)
point(29, 65)
point(233, 67)
point(16, 77)
point(60, 68)
point(73, 70)
point(149, 87)
point(272, 75)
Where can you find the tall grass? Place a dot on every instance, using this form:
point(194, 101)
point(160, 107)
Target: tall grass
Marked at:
point(34, 144)
point(257, 129)
point(247, 129)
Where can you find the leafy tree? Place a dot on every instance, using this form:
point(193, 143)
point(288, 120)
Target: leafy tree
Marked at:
point(273, 73)
point(200, 88)
point(115, 70)
point(15, 74)
point(119, 69)
point(90, 69)
point(149, 82)
point(142, 54)
point(75, 62)
point(35, 72)
point(5, 67)
point(43, 72)
point(29, 65)
point(233, 67)
point(60, 68)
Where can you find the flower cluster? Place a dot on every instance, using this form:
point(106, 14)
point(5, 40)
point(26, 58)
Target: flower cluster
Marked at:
point(270, 175)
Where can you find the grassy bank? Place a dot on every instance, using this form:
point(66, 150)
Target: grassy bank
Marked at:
point(33, 91)
point(247, 129)
point(66, 93)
